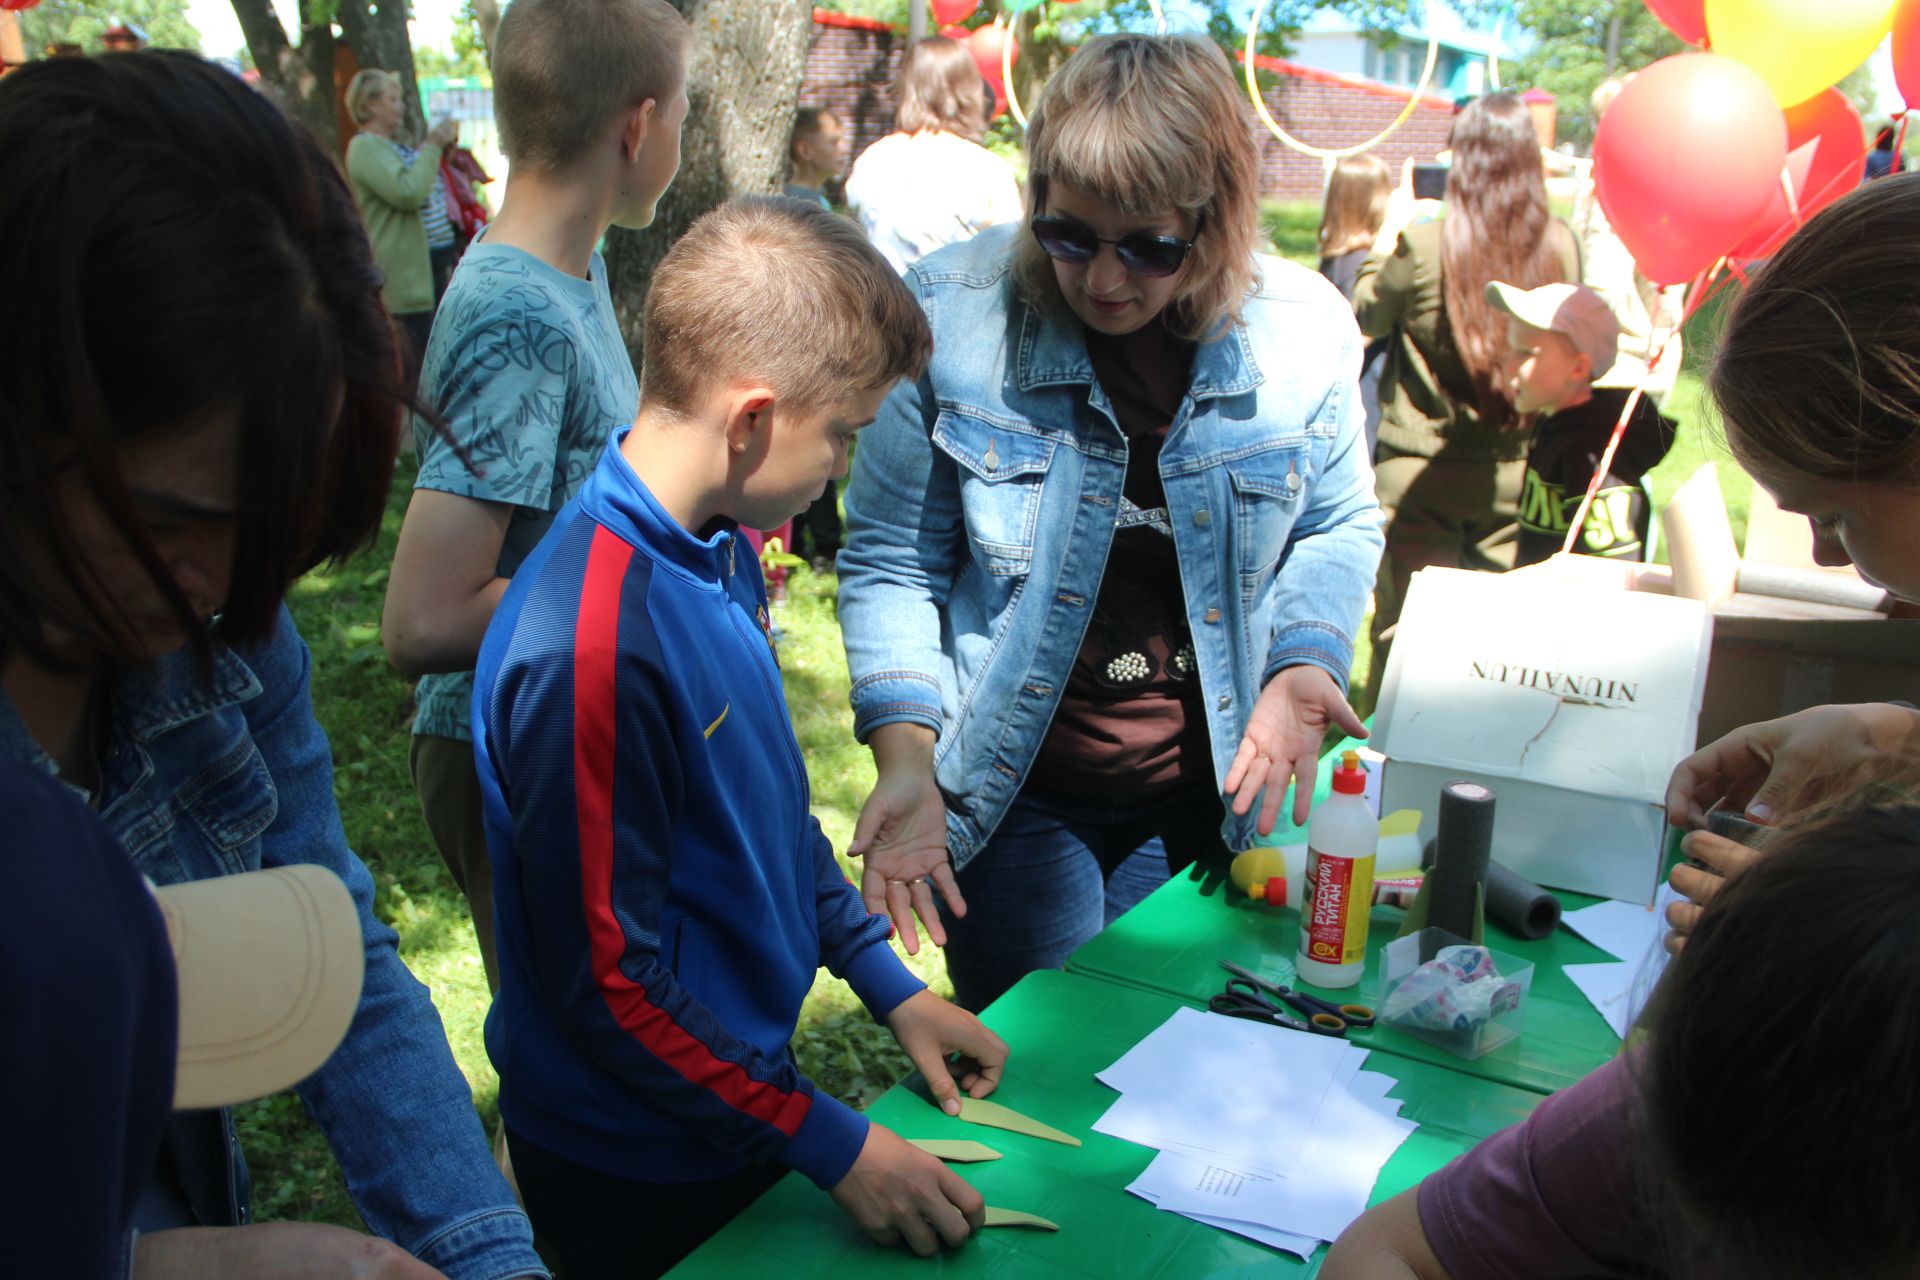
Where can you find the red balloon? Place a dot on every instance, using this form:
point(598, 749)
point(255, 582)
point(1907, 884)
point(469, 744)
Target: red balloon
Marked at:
point(984, 44)
point(1825, 149)
point(948, 12)
point(18, 4)
point(1906, 50)
point(1686, 160)
point(1685, 18)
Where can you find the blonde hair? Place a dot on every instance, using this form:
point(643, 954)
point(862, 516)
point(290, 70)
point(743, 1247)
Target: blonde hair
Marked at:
point(939, 87)
point(779, 290)
point(1356, 204)
point(364, 86)
point(563, 68)
point(1152, 124)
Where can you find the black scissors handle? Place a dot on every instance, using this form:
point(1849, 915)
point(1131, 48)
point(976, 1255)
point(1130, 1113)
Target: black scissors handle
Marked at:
point(1244, 999)
point(1339, 1016)
point(1351, 1015)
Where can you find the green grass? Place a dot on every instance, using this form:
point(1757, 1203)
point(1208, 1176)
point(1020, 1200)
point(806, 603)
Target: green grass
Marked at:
point(1292, 227)
point(367, 709)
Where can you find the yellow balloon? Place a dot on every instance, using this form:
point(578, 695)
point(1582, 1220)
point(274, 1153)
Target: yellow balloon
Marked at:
point(1799, 47)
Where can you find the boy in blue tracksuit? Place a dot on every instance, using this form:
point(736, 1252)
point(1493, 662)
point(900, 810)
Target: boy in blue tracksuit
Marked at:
point(664, 897)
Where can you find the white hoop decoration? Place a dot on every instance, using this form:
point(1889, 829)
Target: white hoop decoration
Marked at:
point(1329, 153)
point(1006, 73)
point(1493, 71)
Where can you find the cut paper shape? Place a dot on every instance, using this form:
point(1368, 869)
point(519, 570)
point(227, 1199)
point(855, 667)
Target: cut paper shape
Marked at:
point(995, 1116)
point(1015, 1218)
point(957, 1150)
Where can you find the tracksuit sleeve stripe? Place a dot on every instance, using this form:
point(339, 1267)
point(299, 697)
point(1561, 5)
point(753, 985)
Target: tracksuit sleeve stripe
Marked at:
point(595, 719)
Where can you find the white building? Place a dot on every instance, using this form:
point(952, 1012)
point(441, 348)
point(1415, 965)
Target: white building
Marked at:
point(1330, 41)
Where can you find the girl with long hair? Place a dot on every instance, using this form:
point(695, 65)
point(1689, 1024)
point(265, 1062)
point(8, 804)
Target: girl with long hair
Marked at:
point(1767, 1127)
point(930, 183)
point(1452, 451)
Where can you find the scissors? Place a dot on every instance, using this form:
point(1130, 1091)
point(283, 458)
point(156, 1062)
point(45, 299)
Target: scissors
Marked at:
point(1324, 1017)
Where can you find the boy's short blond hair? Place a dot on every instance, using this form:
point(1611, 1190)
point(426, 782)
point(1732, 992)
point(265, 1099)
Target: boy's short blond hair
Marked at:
point(563, 68)
point(782, 292)
point(362, 88)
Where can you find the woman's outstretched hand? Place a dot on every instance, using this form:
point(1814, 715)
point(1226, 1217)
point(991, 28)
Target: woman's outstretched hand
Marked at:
point(901, 837)
point(1282, 742)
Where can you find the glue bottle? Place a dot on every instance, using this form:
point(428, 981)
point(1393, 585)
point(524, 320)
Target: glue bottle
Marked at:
point(1342, 840)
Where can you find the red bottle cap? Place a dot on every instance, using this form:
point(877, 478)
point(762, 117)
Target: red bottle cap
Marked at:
point(1350, 778)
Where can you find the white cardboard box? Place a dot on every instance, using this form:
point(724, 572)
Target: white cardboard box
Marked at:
point(1573, 703)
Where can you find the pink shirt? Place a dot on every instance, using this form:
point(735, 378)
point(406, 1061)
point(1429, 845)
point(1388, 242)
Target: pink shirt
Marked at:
point(1558, 1195)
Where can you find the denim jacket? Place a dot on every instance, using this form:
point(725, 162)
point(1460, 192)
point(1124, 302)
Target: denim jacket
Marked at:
point(208, 777)
point(983, 502)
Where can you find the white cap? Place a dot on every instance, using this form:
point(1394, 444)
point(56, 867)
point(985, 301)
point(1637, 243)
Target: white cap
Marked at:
point(270, 964)
point(1572, 309)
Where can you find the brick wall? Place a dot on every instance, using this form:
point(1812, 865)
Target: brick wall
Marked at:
point(1323, 109)
point(851, 65)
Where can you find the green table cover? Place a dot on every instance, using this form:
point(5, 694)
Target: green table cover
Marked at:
point(1172, 943)
point(1063, 1028)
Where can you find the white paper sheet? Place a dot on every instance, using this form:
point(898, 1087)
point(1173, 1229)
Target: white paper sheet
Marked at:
point(1329, 1188)
point(1244, 1092)
point(1618, 990)
point(1301, 1247)
point(1624, 930)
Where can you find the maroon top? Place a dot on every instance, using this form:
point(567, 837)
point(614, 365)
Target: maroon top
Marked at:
point(1557, 1195)
point(1129, 721)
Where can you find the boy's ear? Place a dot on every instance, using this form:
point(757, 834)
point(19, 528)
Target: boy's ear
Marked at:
point(1583, 366)
point(634, 128)
point(749, 419)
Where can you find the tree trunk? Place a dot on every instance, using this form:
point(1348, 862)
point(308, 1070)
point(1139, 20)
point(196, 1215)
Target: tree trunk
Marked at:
point(301, 80)
point(743, 85)
point(377, 30)
point(1613, 39)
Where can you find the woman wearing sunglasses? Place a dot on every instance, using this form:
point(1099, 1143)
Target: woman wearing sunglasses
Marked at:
point(1106, 559)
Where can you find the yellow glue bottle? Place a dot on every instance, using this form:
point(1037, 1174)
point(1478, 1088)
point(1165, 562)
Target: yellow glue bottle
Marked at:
point(1342, 840)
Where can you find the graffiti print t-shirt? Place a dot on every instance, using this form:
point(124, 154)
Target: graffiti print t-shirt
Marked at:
point(527, 369)
point(1566, 450)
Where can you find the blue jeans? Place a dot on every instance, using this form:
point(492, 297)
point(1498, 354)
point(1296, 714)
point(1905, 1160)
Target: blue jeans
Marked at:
point(1056, 872)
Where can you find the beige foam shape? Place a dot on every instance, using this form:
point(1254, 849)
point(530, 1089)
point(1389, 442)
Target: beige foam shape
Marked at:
point(993, 1115)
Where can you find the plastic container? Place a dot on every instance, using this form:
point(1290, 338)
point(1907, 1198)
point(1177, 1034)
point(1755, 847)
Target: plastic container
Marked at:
point(1337, 899)
point(1404, 955)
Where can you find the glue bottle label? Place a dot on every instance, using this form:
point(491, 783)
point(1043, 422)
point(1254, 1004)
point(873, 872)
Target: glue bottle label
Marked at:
point(1335, 906)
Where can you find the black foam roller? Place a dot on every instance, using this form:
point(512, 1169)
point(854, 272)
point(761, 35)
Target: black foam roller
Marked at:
point(1520, 904)
point(1515, 901)
point(1462, 846)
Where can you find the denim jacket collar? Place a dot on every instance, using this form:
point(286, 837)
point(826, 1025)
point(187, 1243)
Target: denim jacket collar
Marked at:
point(1053, 352)
point(616, 496)
point(147, 701)
point(168, 693)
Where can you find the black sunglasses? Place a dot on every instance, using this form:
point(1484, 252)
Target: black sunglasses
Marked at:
point(1068, 240)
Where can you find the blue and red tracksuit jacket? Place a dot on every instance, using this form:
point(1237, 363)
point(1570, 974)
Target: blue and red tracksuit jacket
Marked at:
point(663, 896)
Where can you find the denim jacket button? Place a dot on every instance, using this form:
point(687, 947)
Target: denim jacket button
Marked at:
point(1293, 482)
point(1211, 615)
point(1226, 701)
point(1203, 517)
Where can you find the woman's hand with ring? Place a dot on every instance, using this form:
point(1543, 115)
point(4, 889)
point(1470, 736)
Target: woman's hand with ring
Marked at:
point(1283, 739)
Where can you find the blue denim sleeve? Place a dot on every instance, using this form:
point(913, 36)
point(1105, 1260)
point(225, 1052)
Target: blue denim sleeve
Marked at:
point(905, 539)
point(1333, 553)
point(395, 1109)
